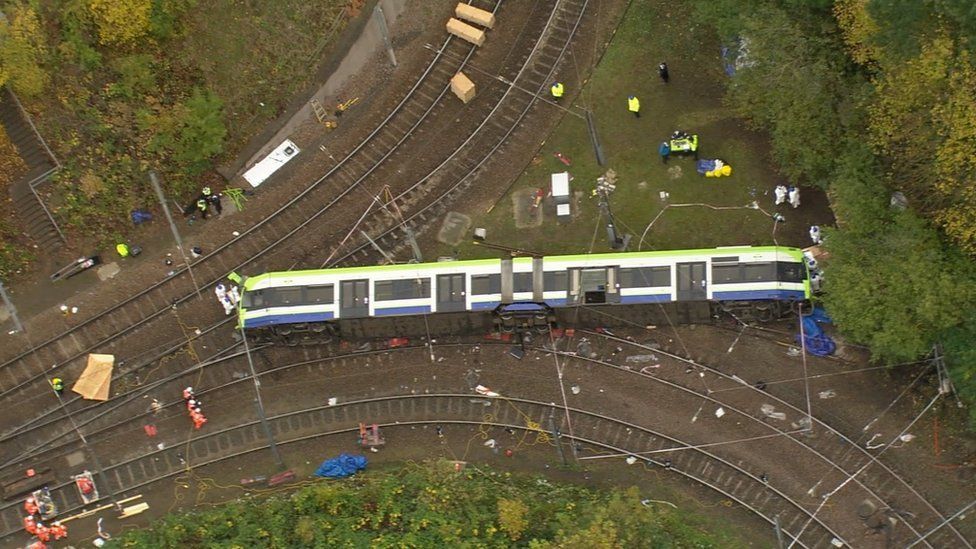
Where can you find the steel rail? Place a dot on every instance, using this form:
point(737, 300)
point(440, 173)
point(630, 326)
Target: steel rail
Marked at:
point(460, 181)
point(190, 295)
point(538, 409)
point(801, 412)
point(141, 391)
point(216, 253)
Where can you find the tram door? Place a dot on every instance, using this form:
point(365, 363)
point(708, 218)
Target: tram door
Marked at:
point(450, 293)
point(354, 299)
point(692, 284)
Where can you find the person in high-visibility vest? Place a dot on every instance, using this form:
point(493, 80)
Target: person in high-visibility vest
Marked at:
point(557, 90)
point(202, 206)
point(633, 105)
point(123, 249)
point(58, 385)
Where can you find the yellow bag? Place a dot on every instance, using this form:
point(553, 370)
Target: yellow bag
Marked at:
point(726, 170)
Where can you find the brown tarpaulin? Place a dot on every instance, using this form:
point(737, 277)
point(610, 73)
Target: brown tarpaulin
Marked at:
point(94, 382)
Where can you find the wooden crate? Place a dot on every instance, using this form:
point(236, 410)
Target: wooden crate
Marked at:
point(475, 15)
point(466, 32)
point(463, 87)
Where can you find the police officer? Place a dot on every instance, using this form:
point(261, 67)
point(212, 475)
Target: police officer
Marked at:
point(202, 206)
point(557, 90)
point(58, 385)
point(662, 71)
point(212, 199)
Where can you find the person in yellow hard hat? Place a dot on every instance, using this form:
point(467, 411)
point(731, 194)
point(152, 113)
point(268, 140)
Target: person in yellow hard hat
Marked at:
point(557, 90)
point(57, 384)
point(633, 105)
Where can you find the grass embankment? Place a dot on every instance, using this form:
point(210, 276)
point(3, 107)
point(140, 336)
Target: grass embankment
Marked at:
point(431, 505)
point(649, 33)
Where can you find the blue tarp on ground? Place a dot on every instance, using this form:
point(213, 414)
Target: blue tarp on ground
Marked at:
point(705, 165)
point(339, 467)
point(814, 339)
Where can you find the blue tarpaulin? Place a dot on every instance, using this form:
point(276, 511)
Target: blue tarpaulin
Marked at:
point(339, 467)
point(816, 341)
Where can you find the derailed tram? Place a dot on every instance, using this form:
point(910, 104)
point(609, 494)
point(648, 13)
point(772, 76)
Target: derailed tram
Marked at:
point(294, 307)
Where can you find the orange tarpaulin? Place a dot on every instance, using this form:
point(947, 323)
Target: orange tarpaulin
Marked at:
point(94, 382)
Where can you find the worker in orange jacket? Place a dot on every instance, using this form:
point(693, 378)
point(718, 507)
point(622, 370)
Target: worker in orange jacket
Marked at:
point(43, 533)
point(30, 505)
point(59, 530)
point(30, 525)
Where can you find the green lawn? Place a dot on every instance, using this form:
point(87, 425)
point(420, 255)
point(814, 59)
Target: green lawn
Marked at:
point(691, 101)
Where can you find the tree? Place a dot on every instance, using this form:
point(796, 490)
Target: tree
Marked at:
point(896, 291)
point(189, 133)
point(804, 115)
point(860, 30)
point(512, 517)
point(22, 48)
point(120, 22)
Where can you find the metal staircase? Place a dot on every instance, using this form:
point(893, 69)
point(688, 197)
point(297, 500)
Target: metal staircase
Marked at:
point(32, 214)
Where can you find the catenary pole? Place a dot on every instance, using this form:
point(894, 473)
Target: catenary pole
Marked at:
point(154, 180)
point(273, 446)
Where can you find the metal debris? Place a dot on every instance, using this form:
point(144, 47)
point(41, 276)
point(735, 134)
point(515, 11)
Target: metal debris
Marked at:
point(769, 411)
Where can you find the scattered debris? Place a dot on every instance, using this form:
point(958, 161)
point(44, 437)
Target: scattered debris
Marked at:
point(640, 359)
point(490, 443)
point(720, 412)
point(575, 389)
point(651, 367)
point(793, 351)
point(770, 411)
point(829, 393)
point(333, 401)
point(482, 390)
point(802, 423)
point(631, 460)
point(870, 445)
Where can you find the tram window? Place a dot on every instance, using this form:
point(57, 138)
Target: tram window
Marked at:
point(726, 274)
point(253, 299)
point(760, 272)
point(521, 282)
point(288, 296)
point(725, 259)
point(411, 288)
point(790, 272)
point(486, 284)
point(554, 281)
point(320, 295)
point(645, 277)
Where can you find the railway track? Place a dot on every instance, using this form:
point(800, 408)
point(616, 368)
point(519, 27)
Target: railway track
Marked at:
point(52, 439)
point(324, 194)
point(464, 166)
point(856, 464)
point(604, 434)
point(28, 369)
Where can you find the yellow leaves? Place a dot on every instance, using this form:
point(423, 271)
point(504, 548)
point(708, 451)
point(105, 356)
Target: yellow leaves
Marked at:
point(512, 517)
point(858, 29)
point(22, 47)
point(11, 164)
point(91, 184)
point(120, 22)
point(906, 94)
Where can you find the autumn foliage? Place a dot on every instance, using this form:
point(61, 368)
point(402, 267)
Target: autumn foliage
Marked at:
point(120, 22)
